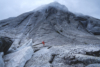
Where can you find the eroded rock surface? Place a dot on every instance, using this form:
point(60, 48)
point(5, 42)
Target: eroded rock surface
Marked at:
point(64, 56)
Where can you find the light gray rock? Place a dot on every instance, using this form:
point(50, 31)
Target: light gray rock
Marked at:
point(19, 58)
point(1, 60)
point(63, 56)
point(93, 65)
point(40, 59)
point(16, 41)
point(26, 44)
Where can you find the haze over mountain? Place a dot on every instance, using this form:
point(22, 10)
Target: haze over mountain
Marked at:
point(13, 8)
point(70, 39)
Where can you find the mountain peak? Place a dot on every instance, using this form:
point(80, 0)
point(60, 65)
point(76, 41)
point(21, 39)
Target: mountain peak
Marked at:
point(67, 38)
point(55, 4)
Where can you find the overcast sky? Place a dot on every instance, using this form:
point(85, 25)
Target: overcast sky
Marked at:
point(13, 8)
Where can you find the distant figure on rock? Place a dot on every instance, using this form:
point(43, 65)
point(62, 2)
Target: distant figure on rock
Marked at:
point(5, 44)
point(43, 43)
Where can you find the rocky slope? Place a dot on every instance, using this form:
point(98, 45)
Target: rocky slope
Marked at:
point(71, 40)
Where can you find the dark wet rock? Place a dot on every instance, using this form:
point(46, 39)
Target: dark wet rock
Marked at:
point(73, 60)
point(80, 18)
point(5, 43)
point(94, 53)
point(96, 33)
point(92, 25)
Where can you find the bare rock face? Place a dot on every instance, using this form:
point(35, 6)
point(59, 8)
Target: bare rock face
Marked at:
point(5, 43)
point(71, 40)
point(54, 24)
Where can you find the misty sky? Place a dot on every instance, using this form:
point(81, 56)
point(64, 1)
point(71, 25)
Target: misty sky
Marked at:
point(13, 8)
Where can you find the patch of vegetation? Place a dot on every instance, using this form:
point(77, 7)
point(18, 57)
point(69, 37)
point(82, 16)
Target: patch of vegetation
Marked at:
point(61, 31)
point(58, 32)
point(85, 43)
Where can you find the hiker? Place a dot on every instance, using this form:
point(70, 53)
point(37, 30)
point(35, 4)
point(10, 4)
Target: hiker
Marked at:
point(43, 43)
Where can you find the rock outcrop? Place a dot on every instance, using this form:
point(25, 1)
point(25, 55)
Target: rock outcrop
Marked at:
point(5, 43)
point(1, 60)
point(18, 58)
point(71, 40)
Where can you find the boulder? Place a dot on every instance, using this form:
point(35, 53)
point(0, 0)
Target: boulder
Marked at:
point(5, 43)
point(1, 60)
point(19, 58)
point(40, 59)
point(93, 65)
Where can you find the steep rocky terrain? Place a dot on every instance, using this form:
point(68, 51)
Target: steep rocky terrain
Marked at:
point(71, 40)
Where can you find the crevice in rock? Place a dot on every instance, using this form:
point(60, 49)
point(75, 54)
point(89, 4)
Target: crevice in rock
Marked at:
point(5, 24)
point(72, 60)
point(68, 18)
point(45, 29)
point(37, 44)
point(49, 47)
point(80, 18)
point(94, 53)
point(58, 32)
point(96, 33)
point(61, 30)
point(36, 50)
point(22, 20)
point(52, 58)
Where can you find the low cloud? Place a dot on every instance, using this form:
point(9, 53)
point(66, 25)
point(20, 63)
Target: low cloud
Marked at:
point(12, 8)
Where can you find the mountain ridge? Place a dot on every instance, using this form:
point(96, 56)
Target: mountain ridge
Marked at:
point(69, 39)
point(58, 19)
